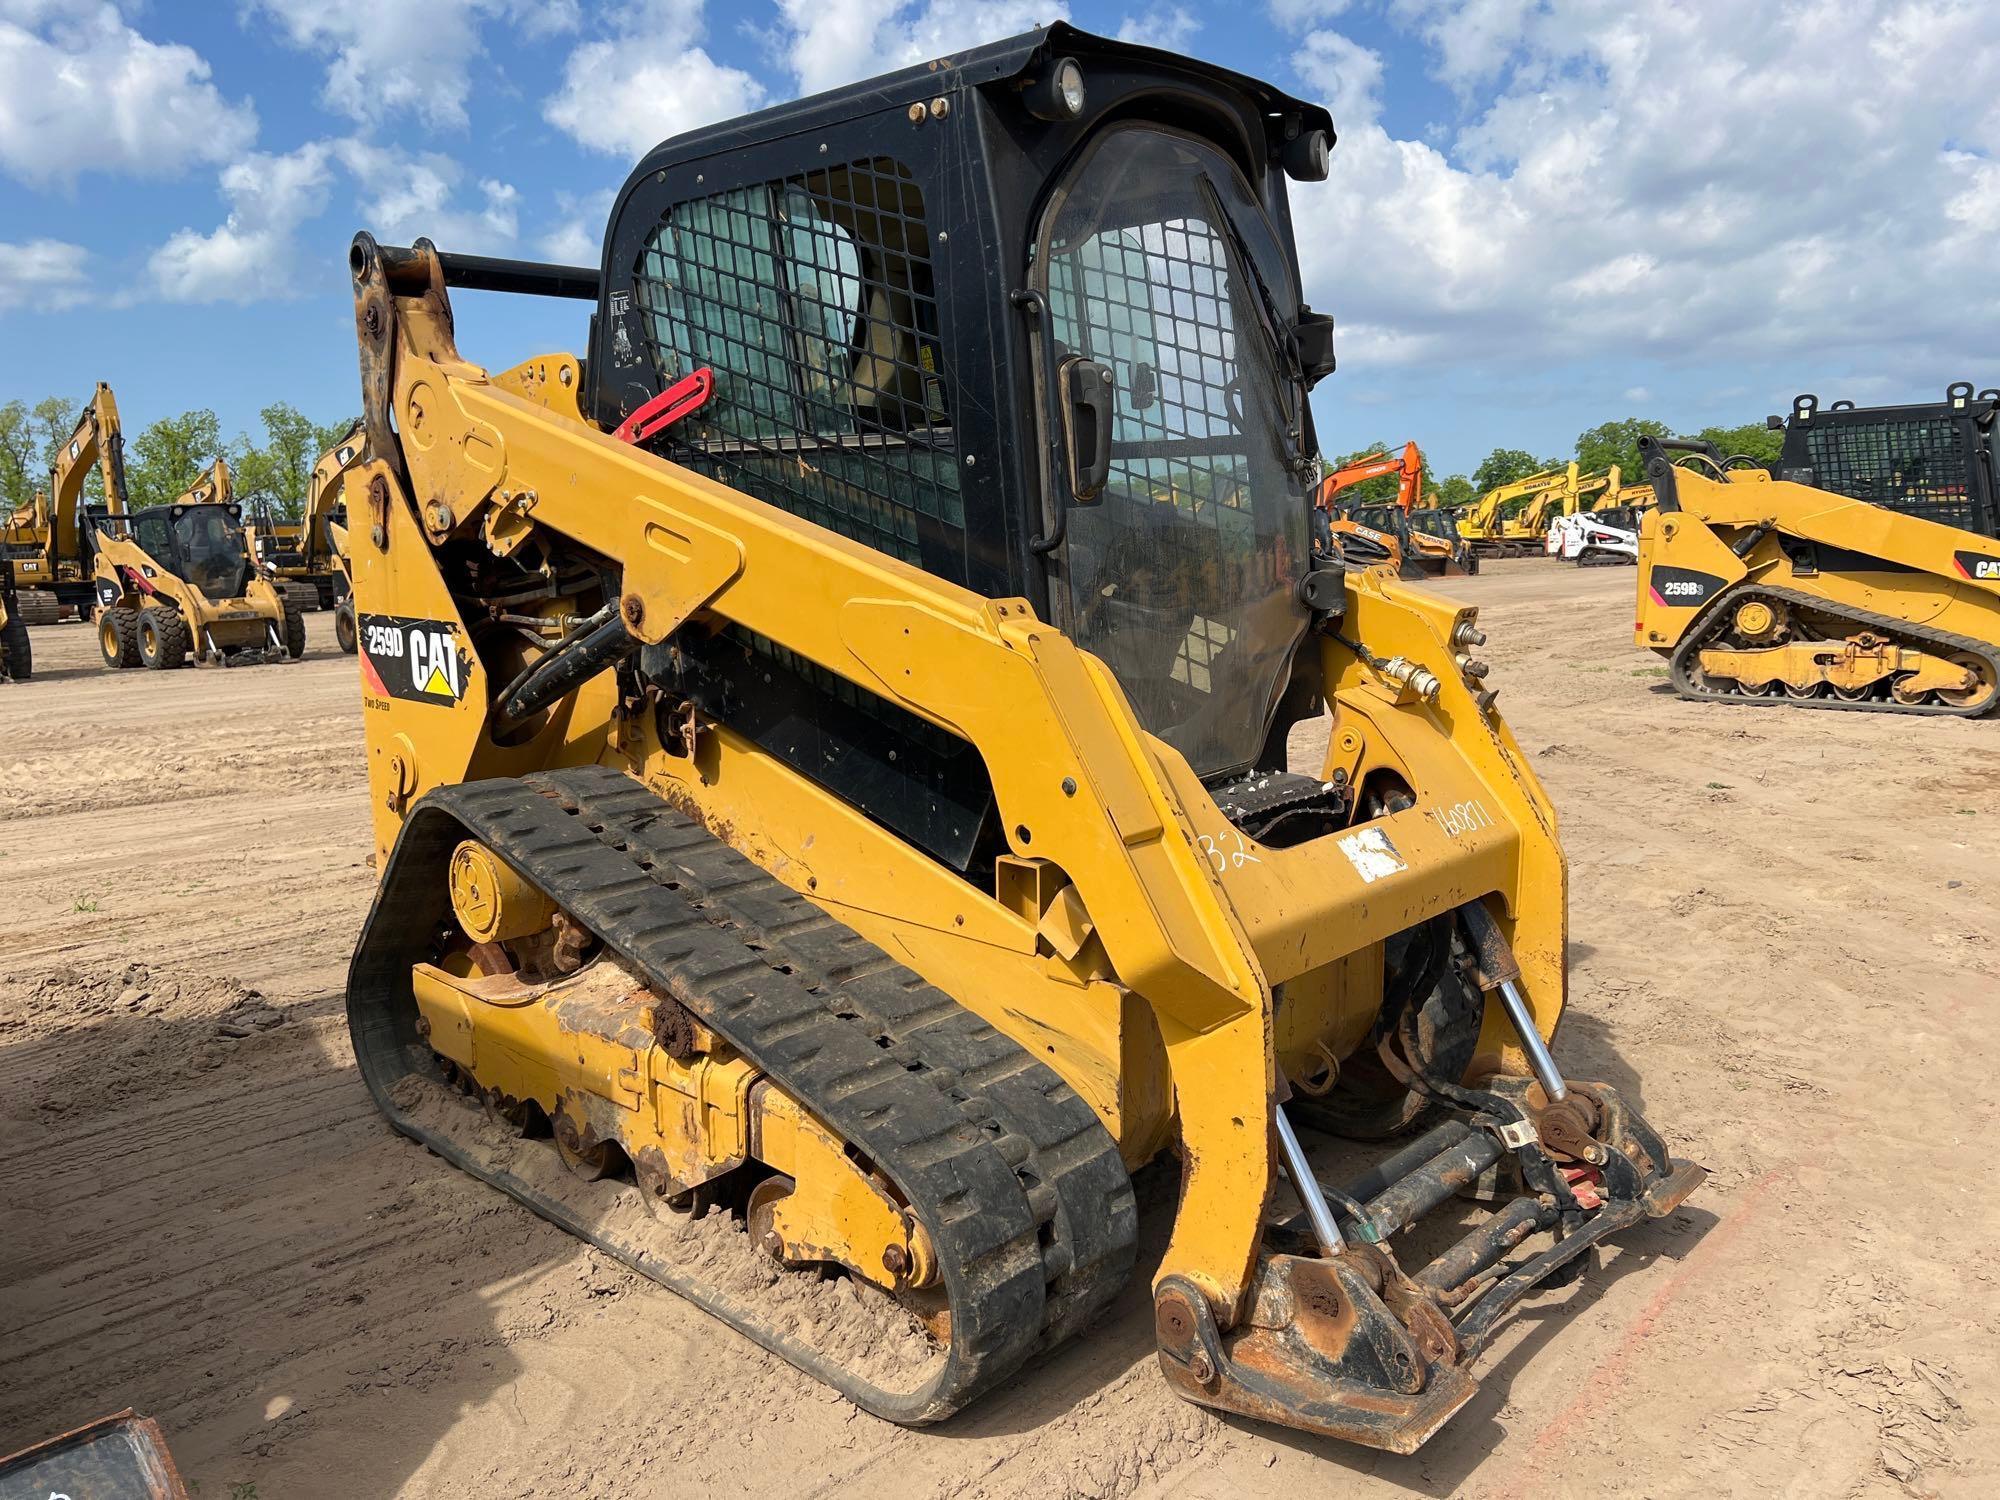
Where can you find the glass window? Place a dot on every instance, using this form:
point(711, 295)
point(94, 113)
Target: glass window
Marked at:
point(155, 539)
point(211, 551)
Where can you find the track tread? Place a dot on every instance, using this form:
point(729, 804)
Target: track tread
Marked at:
point(1711, 621)
point(1036, 1229)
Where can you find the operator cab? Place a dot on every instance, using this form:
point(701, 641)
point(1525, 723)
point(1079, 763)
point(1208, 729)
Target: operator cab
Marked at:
point(1027, 318)
point(1433, 523)
point(201, 544)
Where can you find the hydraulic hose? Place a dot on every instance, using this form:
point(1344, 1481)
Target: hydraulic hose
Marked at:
point(594, 645)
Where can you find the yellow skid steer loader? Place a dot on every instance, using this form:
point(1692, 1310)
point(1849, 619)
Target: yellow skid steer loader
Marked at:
point(183, 578)
point(828, 758)
point(1758, 590)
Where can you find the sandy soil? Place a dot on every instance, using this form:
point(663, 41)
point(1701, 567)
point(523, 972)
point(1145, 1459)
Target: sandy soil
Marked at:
point(1786, 944)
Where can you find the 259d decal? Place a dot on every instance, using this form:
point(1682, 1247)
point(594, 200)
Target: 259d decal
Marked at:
point(419, 661)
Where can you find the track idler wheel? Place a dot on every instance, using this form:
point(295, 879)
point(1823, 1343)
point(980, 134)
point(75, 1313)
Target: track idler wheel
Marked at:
point(589, 1158)
point(762, 1216)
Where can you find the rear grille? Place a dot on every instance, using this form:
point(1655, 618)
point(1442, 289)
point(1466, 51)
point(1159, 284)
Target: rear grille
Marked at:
point(811, 297)
point(1921, 467)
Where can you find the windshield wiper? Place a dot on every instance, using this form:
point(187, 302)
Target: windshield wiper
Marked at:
point(1284, 353)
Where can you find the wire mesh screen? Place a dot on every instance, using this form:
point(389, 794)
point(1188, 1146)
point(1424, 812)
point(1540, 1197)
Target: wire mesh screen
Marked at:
point(1921, 467)
point(812, 300)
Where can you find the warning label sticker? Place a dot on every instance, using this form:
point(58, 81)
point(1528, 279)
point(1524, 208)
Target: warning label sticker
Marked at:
point(419, 661)
point(1372, 855)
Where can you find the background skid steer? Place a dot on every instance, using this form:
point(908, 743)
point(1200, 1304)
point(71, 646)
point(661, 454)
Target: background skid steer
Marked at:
point(182, 578)
point(828, 760)
point(1759, 590)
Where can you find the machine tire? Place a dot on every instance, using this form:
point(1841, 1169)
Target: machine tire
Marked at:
point(163, 638)
point(17, 656)
point(118, 636)
point(295, 630)
point(346, 633)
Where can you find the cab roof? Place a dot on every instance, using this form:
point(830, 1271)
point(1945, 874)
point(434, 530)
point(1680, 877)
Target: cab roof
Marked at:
point(994, 62)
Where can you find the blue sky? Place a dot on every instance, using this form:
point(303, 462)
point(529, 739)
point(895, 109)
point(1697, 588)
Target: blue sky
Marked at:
point(1543, 213)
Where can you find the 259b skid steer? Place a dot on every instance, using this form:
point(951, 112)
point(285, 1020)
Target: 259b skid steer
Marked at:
point(1760, 590)
point(828, 758)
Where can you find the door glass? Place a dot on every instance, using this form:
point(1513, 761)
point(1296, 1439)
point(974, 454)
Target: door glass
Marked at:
point(1159, 264)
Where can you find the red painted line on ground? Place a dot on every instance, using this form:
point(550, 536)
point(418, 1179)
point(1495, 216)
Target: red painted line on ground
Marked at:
point(1602, 1385)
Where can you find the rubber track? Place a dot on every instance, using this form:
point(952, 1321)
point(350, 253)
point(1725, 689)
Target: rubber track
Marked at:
point(1018, 1183)
point(1709, 624)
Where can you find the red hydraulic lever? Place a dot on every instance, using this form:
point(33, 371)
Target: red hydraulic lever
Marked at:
point(685, 395)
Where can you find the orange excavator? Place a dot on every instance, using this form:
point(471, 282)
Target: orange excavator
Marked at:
point(1409, 464)
point(1422, 545)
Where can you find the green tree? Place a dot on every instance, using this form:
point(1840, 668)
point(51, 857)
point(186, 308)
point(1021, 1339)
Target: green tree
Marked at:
point(278, 473)
point(1753, 439)
point(1504, 466)
point(53, 420)
point(1617, 443)
point(170, 455)
point(18, 452)
point(1455, 490)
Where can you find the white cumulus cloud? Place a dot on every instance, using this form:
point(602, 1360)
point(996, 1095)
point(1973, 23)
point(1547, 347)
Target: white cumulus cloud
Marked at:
point(82, 91)
point(831, 42)
point(1169, 27)
point(42, 275)
point(1667, 183)
point(400, 195)
point(249, 256)
point(645, 80)
point(420, 57)
point(256, 252)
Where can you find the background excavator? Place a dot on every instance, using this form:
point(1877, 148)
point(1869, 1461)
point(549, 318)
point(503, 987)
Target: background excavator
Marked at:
point(301, 553)
point(1492, 525)
point(830, 780)
point(1760, 590)
point(325, 527)
point(47, 543)
point(1413, 540)
point(183, 578)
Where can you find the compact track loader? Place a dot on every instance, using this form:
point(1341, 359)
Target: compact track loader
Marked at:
point(1430, 546)
point(182, 578)
point(828, 758)
point(1758, 590)
point(1595, 538)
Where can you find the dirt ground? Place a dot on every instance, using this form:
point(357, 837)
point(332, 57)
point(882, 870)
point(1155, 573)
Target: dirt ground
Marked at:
point(1786, 944)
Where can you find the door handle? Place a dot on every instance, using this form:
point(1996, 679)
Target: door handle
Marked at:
point(1087, 388)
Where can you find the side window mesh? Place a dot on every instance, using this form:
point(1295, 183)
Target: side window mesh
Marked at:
point(812, 299)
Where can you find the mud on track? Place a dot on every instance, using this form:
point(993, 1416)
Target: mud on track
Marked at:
point(1785, 942)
